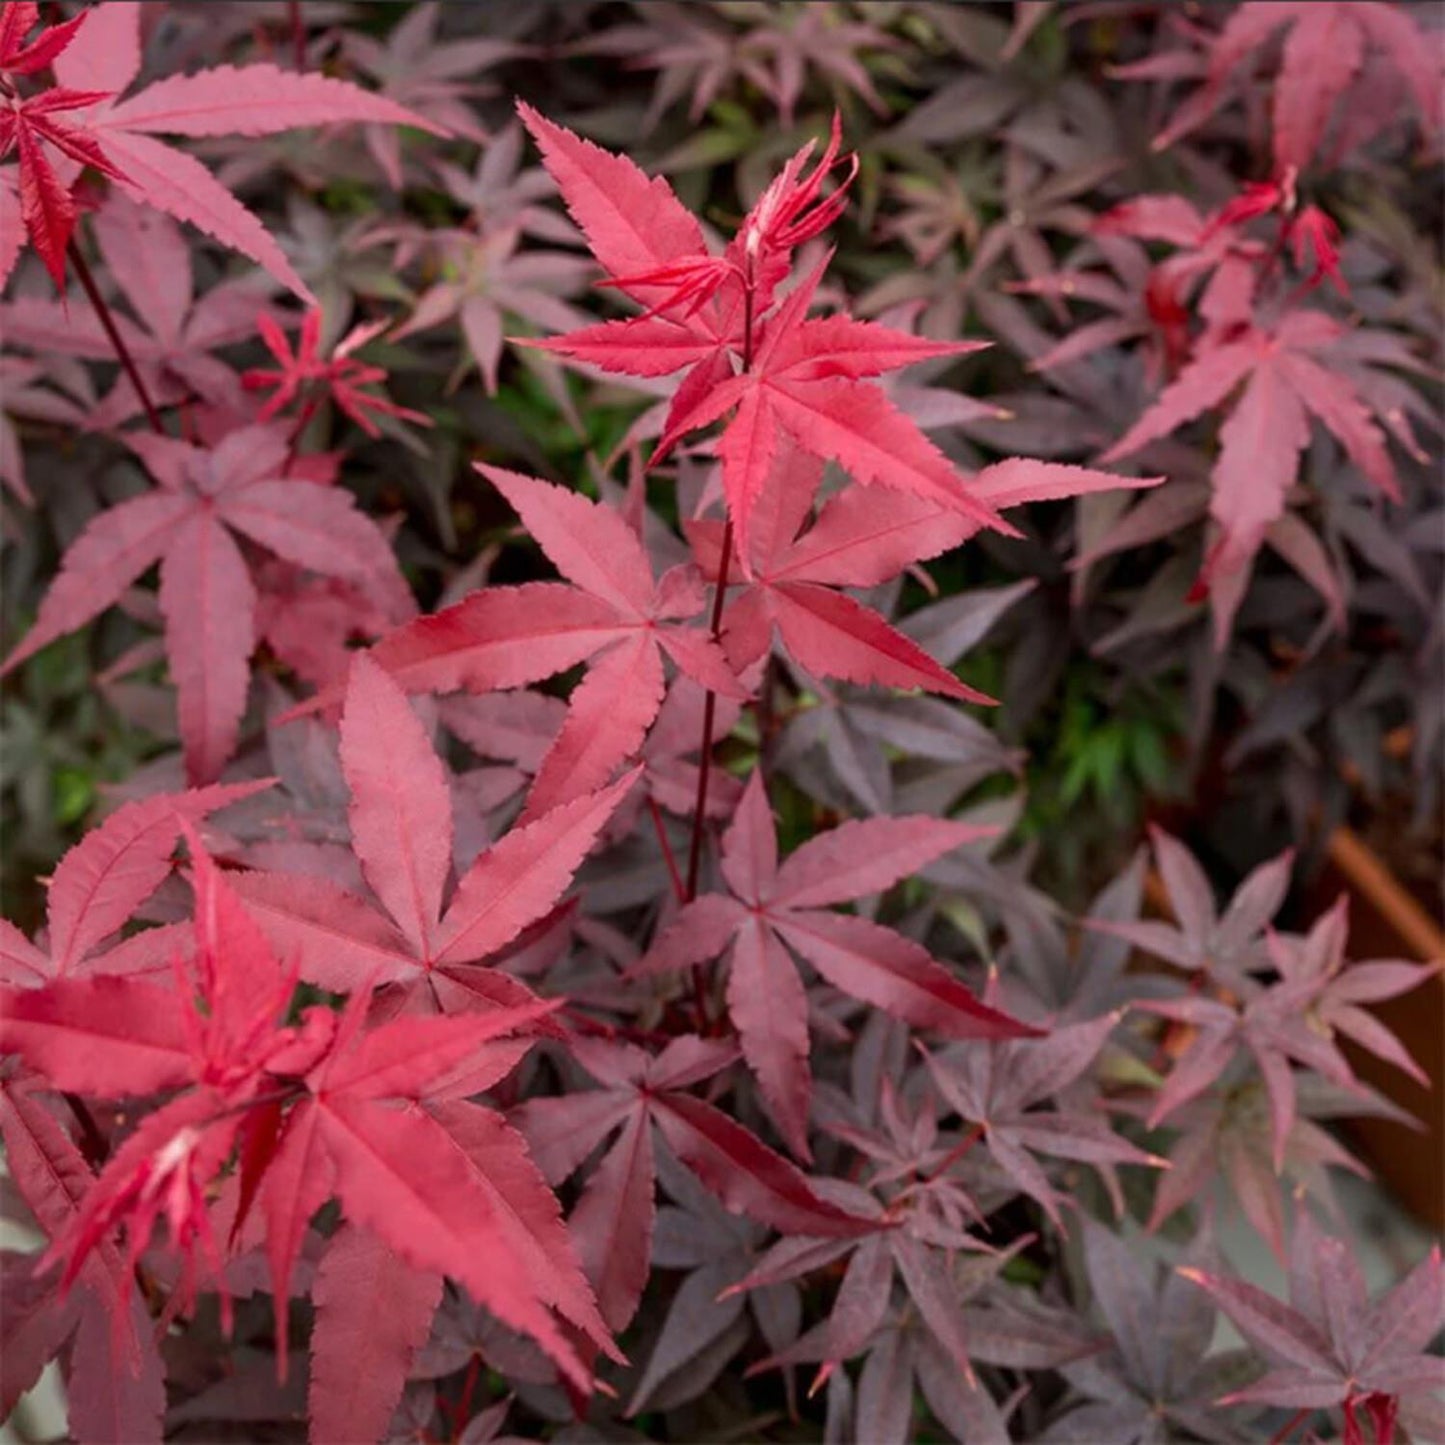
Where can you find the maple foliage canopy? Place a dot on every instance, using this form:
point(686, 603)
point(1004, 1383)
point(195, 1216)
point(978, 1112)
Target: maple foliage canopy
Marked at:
point(486, 982)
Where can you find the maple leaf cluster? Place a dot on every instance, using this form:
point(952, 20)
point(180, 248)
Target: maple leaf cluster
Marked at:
point(461, 995)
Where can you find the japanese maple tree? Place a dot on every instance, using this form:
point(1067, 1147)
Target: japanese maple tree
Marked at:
point(569, 944)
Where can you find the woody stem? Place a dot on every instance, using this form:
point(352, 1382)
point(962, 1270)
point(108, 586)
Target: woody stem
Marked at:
point(709, 712)
point(709, 706)
point(102, 310)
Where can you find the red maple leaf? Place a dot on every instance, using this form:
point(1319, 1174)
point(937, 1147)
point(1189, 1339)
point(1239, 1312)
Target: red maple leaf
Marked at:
point(1287, 379)
point(860, 538)
point(375, 1116)
point(772, 909)
point(401, 832)
point(98, 886)
point(1329, 47)
point(29, 125)
point(114, 1374)
point(303, 375)
point(610, 614)
point(775, 371)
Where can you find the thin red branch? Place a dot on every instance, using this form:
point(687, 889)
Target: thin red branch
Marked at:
point(102, 310)
point(1284, 1431)
point(679, 891)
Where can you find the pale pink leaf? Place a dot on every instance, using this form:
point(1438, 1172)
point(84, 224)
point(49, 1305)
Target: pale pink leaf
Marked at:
point(172, 181)
point(1322, 55)
point(322, 529)
point(100, 882)
point(498, 637)
point(1259, 452)
point(252, 100)
point(106, 51)
point(750, 847)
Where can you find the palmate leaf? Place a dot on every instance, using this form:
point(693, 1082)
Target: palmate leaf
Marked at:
point(1002, 1087)
point(443, 1184)
point(173, 333)
point(1330, 1346)
point(614, 1219)
point(402, 831)
point(860, 538)
point(770, 906)
point(801, 380)
point(113, 1365)
point(372, 1314)
point(100, 884)
point(1286, 379)
point(206, 498)
point(610, 613)
point(374, 1118)
point(1323, 56)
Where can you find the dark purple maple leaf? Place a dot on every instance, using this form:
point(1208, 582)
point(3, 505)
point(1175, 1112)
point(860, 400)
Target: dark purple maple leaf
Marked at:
point(613, 1220)
point(1159, 1368)
point(913, 1181)
point(999, 1085)
point(1332, 1348)
point(706, 1323)
point(1291, 1020)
